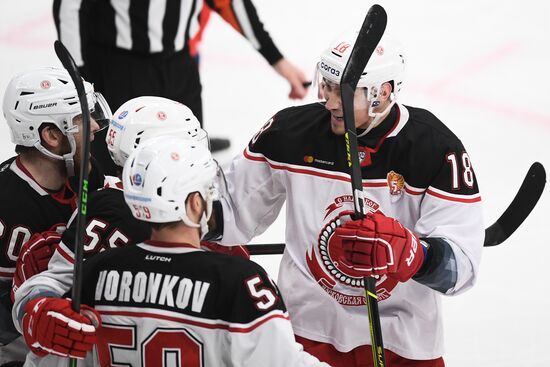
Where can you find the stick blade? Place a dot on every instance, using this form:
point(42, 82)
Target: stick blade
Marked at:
point(368, 38)
point(526, 199)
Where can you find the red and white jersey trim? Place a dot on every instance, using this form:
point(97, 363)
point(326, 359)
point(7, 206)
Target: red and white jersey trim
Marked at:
point(295, 168)
point(6, 273)
point(20, 171)
point(190, 320)
point(453, 197)
point(112, 182)
point(65, 252)
point(403, 119)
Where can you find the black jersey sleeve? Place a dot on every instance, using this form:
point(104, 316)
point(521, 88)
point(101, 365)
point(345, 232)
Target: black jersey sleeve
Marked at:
point(256, 294)
point(110, 224)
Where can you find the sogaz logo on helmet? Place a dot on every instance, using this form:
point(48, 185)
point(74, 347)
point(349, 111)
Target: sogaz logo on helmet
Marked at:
point(330, 69)
point(122, 115)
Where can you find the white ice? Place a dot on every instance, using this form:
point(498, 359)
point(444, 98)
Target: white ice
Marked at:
point(480, 66)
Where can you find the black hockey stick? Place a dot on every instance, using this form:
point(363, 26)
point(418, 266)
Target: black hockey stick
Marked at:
point(69, 64)
point(525, 200)
point(519, 209)
point(368, 38)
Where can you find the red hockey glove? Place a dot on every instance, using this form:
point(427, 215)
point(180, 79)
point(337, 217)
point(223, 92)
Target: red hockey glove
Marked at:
point(34, 257)
point(378, 245)
point(50, 326)
point(235, 250)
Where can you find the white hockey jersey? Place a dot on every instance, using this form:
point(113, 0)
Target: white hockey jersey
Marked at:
point(414, 169)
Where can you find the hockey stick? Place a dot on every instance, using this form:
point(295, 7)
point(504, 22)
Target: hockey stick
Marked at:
point(69, 64)
point(519, 209)
point(525, 200)
point(368, 38)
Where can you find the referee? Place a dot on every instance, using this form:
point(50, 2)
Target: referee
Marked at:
point(131, 48)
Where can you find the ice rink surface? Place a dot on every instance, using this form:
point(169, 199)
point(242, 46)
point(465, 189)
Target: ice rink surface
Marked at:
point(480, 66)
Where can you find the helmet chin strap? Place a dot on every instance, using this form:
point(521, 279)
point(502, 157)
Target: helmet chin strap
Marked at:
point(68, 158)
point(378, 116)
point(203, 223)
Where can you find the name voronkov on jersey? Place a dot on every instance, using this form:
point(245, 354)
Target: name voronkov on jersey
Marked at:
point(153, 288)
point(46, 105)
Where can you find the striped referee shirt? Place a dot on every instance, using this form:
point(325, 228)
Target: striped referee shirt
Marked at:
point(152, 26)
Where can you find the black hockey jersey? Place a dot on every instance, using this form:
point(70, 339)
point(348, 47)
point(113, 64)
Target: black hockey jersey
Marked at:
point(27, 208)
point(166, 303)
point(110, 223)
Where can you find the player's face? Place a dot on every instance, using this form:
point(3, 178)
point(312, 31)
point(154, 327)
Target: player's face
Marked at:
point(78, 136)
point(331, 93)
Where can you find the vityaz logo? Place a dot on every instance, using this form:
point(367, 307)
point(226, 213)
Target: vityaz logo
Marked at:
point(161, 115)
point(45, 84)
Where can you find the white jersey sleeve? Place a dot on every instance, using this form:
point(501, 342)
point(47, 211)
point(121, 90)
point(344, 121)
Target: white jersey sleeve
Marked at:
point(256, 195)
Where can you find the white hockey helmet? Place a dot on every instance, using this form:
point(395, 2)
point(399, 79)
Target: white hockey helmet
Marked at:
point(161, 173)
point(387, 64)
point(145, 117)
point(48, 95)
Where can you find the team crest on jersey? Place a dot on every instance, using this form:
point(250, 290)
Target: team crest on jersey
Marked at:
point(339, 280)
point(396, 183)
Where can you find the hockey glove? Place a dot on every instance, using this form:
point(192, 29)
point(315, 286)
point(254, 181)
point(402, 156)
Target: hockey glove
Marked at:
point(50, 326)
point(379, 245)
point(34, 257)
point(234, 250)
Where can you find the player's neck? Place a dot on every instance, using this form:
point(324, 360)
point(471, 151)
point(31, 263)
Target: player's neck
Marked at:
point(48, 173)
point(177, 234)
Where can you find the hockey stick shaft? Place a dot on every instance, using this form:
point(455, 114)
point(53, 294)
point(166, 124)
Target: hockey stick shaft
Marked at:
point(515, 214)
point(368, 38)
point(69, 64)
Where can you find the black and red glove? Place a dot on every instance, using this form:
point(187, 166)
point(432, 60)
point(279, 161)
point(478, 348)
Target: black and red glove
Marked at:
point(34, 257)
point(234, 250)
point(379, 245)
point(50, 326)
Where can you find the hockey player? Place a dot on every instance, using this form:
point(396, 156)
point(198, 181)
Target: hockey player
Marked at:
point(110, 222)
point(43, 114)
point(179, 303)
point(423, 235)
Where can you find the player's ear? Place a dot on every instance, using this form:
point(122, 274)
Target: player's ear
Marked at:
point(51, 137)
point(195, 205)
point(385, 91)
